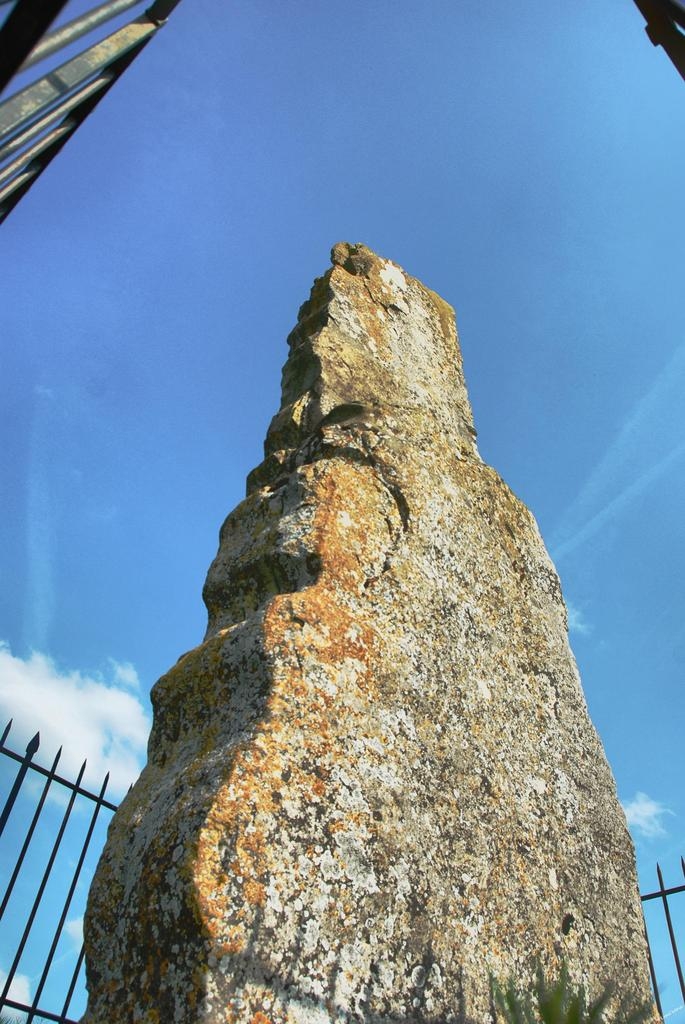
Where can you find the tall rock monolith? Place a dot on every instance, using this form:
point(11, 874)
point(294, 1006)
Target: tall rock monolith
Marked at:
point(375, 782)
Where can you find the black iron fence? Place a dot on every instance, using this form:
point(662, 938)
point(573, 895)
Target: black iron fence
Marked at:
point(35, 855)
point(662, 895)
point(56, 821)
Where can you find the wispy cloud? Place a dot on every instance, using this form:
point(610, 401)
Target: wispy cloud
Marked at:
point(40, 594)
point(20, 989)
point(644, 815)
point(642, 452)
point(124, 674)
point(74, 929)
point(577, 623)
point(92, 717)
point(40, 526)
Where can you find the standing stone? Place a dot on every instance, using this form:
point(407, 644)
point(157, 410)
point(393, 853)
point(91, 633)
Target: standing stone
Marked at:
point(375, 782)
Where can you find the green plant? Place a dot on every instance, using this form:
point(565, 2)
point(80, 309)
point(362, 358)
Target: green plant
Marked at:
point(561, 1003)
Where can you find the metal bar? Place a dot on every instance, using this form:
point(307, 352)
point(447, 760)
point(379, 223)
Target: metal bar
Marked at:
point(6, 732)
point(41, 890)
point(72, 985)
point(676, 11)
point(14, 1005)
point(73, 30)
point(671, 933)
point(662, 30)
point(11, 195)
point(160, 10)
point(662, 11)
point(67, 902)
point(652, 974)
point(29, 834)
point(24, 26)
point(31, 748)
point(24, 107)
point(672, 42)
point(61, 110)
point(662, 892)
point(25, 158)
point(21, 185)
point(58, 778)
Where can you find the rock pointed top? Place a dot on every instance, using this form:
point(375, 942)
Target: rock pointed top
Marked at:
point(376, 340)
point(356, 258)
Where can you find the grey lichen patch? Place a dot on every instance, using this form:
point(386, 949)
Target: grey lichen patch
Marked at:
point(375, 781)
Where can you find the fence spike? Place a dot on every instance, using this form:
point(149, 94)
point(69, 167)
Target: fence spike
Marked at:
point(33, 744)
point(6, 733)
point(29, 835)
point(682, 864)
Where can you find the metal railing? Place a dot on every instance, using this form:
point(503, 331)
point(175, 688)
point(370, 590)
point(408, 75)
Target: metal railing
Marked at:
point(96, 802)
point(38, 119)
point(663, 893)
point(50, 783)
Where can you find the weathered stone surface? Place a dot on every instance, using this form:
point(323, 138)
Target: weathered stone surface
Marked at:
point(375, 781)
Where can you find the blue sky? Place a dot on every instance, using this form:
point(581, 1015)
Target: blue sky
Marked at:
point(525, 161)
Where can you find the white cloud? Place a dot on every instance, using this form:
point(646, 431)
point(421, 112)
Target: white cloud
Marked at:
point(74, 929)
point(20, 989)
point(89, 716)
point(124, 674)
point(577, 623)
point(644, 816)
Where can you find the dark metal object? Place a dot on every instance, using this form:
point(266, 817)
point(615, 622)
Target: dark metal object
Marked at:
point(652, 975)
point(24, 26)
point(46, 773)
point(31, 749)
point(76, 28)
point(677, 11)
point(76, 790)
point(671, 934)
point(663, 893)
point(13, 192)
point(39, 119)
point(29, 834)
point(160, 10)
point(41, 889)
point(70, 894)
point(36, 99)
point(663, 18)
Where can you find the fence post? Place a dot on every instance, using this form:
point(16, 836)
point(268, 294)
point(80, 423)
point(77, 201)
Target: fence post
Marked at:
point(671, 934)
point(31, 749)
